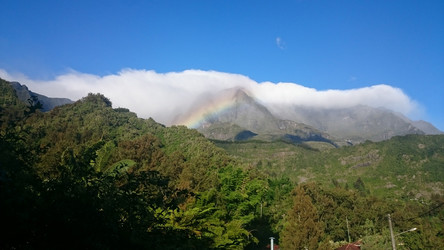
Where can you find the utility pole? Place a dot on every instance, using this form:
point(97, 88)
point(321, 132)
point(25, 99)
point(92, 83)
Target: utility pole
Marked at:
point(261, 209)
point(271, 243)
point(348, 230)
point(391, 233)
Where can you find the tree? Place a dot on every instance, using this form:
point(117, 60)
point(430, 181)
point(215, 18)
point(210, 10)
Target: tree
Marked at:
point(359, 185)
point(303, 229)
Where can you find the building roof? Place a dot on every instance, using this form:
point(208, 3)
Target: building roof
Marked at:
point(351, 246)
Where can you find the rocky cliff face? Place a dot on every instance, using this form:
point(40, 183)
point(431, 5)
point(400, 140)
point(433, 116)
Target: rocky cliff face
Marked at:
point(27, 96)
point(243, 111)
point(428, 128)
point(356, 124)
point(246, 118)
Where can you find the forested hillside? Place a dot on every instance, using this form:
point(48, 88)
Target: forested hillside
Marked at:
point(409, 166)
point(89, 176)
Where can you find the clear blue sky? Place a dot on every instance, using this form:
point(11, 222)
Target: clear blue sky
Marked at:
point(319, 44)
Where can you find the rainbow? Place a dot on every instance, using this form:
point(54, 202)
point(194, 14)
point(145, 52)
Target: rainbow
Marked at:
point(216, 105)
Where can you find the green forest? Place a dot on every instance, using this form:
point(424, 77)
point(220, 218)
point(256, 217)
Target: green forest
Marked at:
point(90, 176)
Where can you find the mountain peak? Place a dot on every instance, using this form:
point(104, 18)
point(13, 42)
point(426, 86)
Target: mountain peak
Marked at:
point(242, 118)
point(236, 95)
point(241, 109)
point(241, 93)
point(25, 95)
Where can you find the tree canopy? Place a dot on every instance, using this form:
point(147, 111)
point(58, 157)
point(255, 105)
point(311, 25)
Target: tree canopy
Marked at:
point(87, 175)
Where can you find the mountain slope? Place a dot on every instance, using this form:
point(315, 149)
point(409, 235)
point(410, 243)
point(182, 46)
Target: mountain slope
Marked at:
point(355, 124)
point(427, 127)
point(27, 96)
point(233, 114)
point(404, 166)
point(243, 118)
point(244, 111)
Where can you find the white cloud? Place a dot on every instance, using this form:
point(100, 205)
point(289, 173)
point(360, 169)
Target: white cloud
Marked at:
point(352, 78)
point(374, 96)
point(280, 43)
point(164, 96)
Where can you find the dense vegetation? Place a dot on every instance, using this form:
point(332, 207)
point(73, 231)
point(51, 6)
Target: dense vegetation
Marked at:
point(403, 167)
point(86, 175)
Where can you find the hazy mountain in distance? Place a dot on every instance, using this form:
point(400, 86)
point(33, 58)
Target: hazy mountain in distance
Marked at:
point(427, 127)
point(424, 126)
point(48, 103)
point(355, 124)
point(244, 118)
point(243, 111)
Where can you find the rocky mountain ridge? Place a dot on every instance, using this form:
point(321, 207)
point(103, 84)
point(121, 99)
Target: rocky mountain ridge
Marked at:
point(358, 123)
point(246, 118)
point(31, 98)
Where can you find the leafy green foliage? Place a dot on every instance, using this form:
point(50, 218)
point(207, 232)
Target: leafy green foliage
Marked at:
point(407, 167)
point(303, 229)
point(361, 184)
point(102, 175)
point(86, 175)
point(12, 109)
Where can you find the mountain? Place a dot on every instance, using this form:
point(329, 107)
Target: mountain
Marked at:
point(243, 111)
point(237, 116)
point(29, 97)
point(354, 124)
point(234, 115)
point(427, 127)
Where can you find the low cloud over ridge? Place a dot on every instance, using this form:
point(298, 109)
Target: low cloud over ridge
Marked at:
point(164, 96)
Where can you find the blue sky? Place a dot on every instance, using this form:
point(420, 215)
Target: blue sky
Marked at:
point(319, 44)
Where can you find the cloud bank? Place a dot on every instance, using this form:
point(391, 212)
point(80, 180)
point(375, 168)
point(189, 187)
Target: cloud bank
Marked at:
point(164, 96)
